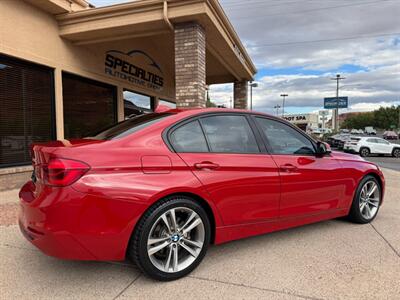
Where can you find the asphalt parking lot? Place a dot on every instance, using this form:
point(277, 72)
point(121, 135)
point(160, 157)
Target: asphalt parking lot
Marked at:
point(385, 162)
point(327, 260)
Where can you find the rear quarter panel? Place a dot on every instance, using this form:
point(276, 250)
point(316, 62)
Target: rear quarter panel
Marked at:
point(138, 170)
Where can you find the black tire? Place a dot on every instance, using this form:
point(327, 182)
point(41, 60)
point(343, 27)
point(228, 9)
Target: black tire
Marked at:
point(364, 152)
point(396, 152)
point(137, 249)
point(355, 214)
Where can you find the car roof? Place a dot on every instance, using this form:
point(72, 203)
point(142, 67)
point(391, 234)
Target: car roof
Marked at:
point(196, 111)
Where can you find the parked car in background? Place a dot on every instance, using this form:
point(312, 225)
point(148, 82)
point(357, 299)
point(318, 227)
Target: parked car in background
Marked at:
point(326, 130)
point(159, 188)
point(316, 131)
point(338, 140)
point(354, 131)
point(342, 141)
point(344, 130)
point(370, 130)
point(371, 145)
point(390, 135)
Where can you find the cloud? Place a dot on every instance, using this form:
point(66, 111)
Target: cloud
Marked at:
point(369, 106)
point(370, 63)
point(298, 45)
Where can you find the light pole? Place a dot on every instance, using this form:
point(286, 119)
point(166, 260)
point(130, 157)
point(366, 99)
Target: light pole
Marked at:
point(335, 115)
point(252, 85)
point(283, 103)
point(277, 107)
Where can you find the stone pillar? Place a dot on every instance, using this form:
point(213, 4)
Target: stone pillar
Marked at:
point(190, 65)
point(240, 94)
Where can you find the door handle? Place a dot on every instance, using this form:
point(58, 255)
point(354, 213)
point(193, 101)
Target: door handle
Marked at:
point(206, 165)
point(288, 168)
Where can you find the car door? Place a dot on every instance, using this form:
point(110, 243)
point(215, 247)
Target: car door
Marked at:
point(242, 180)
point(384, 146)
point(310, 184)
point(373, 145)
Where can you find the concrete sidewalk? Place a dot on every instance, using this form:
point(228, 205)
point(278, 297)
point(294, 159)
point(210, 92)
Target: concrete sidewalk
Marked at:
point(328, 260)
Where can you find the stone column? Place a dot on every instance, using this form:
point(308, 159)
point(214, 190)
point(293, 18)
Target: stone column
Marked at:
point(240, 94)
point(190, 65)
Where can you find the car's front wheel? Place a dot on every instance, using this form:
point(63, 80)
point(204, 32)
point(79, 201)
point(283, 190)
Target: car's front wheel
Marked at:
point(364, 152)
point(366, 201)
point(396, 152)
point(171, 238)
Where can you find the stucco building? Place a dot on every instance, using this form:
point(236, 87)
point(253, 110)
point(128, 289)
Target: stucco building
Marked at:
point(68, 69)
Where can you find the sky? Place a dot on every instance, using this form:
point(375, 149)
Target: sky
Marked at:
point(299, 45)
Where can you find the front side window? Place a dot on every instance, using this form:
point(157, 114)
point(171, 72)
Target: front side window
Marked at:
point(283, 139)
point(189, 138)
point(229, 134)
point(382, 141)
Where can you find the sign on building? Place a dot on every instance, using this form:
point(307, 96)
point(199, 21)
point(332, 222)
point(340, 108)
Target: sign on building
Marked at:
point(135, 66)
point(334, 102)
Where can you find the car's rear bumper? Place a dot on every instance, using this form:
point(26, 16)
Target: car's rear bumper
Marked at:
point(68, 224)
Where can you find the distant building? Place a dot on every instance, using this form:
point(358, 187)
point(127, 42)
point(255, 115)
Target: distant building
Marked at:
point(304, 121)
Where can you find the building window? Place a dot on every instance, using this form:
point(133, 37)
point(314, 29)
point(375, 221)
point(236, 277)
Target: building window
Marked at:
point(89, 106)
point(26, 109)
point(137, 104)
point(167, 103)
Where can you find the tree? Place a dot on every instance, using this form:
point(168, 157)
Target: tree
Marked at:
point(386, 117)
point(359, 121)
point(383, 118)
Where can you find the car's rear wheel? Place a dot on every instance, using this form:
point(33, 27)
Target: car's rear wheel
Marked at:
point(171, 238)
point(364, 152)
point(396, 152)
point(366, 201)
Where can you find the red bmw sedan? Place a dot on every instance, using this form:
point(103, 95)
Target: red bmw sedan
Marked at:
point(159, 188)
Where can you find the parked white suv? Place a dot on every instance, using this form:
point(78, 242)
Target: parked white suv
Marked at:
point(371, 145)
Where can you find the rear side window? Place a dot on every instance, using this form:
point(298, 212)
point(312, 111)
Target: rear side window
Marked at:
point(129, 126)
point(229, 134)
point(189, 138)
point(283, 139)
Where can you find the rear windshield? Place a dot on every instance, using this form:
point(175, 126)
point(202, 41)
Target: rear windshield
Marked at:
point(129, 126)
point(355, 139)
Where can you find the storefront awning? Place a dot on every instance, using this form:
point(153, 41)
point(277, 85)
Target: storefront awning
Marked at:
point(227, 59)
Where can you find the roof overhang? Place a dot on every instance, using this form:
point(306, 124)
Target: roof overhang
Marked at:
point(60, 6)
point(153, 17)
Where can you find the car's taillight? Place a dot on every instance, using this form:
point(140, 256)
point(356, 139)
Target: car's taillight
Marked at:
point(63, 172)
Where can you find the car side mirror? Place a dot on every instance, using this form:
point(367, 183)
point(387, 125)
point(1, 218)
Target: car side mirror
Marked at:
point(323, 148)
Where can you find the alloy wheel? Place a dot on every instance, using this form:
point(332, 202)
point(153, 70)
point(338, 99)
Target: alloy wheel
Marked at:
point(369, 200)
point(364, 152)
point(175, 239)
point(396, 153)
